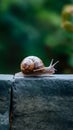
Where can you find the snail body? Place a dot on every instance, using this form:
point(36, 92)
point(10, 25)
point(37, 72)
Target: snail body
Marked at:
point(33, 65)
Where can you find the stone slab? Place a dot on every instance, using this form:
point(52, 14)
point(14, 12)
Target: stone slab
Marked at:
point(5, 97)
point(43, 103)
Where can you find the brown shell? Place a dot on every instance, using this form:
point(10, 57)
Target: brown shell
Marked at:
point(31, 63)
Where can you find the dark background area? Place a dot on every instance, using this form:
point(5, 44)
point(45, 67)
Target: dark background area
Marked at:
point(33, 27)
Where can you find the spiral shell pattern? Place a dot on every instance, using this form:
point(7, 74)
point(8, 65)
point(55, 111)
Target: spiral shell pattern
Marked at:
point(31, 63)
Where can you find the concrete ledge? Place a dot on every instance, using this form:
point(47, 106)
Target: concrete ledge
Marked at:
point(37, 103)
point(43, 103)
point(5, 97)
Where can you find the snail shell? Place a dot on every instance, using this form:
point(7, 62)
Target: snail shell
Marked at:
point(31, 63)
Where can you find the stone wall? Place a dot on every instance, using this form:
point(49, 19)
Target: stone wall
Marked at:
point(5, 100)
point(37, 103)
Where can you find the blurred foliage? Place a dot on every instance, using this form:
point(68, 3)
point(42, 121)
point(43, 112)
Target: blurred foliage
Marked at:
point(67, 18)
point(33, 27)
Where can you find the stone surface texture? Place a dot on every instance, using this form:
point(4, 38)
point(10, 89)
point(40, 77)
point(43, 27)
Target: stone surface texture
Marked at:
point(5, 97)
point(42, 103)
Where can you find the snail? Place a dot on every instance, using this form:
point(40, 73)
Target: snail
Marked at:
point(32, 65)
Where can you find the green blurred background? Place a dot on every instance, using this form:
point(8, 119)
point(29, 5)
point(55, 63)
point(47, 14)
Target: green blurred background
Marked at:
point(33, 27)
